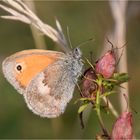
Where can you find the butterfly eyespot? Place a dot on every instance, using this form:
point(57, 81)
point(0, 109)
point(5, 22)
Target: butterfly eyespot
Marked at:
point(19, 67)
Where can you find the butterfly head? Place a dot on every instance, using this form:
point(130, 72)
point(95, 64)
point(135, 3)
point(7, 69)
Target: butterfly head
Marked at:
point(76, 53)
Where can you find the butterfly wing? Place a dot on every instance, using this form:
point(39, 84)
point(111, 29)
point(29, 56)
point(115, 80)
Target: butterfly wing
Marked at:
point(49, 92)
point(21, 67)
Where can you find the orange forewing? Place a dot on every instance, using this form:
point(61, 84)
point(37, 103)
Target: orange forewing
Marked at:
point(33, 64)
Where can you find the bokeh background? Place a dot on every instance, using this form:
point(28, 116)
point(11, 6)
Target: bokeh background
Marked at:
point(85, 20)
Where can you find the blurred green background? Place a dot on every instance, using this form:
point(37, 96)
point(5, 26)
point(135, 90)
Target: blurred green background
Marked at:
point(85, 20)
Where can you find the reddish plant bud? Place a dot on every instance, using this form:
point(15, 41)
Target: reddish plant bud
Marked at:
point(122, 128)
point(88, 85)
point(106, 64)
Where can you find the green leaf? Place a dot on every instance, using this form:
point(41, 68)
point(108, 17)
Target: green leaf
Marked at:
point(82, 108)
point(121, 77)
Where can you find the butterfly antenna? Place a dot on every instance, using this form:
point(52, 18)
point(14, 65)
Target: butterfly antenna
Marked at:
point(68, 34)
point(85, 42)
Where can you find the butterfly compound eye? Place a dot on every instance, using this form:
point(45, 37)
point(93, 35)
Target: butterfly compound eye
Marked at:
point(77, 53)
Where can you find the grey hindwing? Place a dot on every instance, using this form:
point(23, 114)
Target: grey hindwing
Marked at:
point(49, 92)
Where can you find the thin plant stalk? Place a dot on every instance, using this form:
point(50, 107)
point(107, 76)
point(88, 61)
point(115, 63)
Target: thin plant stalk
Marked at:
point(118, 9)
point(38, 37)
point(111, 107)
point(98, 109)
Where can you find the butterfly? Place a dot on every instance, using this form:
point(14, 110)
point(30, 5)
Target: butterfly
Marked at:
point(45, 78)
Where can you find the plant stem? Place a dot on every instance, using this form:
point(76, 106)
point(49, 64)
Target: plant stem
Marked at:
point(111, 107)
point(99, 111)
point(118, 9)
point(39, 40)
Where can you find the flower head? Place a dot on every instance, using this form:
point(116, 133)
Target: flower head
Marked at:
point(122, 128)
point(106, 64)
point(88, 85)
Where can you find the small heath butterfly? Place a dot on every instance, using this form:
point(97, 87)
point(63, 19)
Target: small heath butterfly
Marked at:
point(45, 78)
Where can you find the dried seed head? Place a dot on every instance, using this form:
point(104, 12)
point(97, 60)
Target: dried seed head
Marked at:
point(122, 128)
point(106, 64)
point(88, 84)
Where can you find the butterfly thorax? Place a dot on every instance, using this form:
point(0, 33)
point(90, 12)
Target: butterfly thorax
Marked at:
point(74, 63)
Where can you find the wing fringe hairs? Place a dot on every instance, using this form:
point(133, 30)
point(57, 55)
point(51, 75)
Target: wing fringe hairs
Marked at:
point(20, 11)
